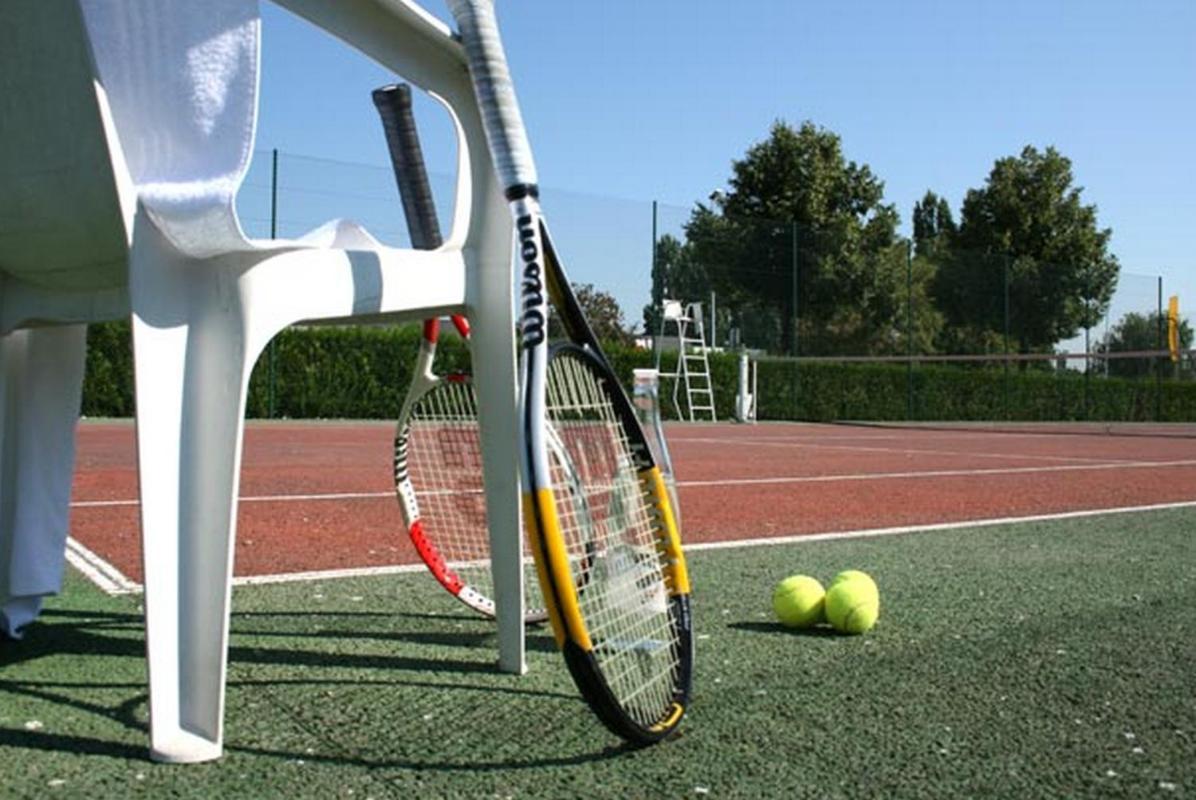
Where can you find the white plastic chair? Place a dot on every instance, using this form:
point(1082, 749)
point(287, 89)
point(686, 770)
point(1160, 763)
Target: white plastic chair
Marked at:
point(127, 129)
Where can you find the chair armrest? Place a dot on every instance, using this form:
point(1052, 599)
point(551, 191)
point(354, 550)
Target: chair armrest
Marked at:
point(398, 34)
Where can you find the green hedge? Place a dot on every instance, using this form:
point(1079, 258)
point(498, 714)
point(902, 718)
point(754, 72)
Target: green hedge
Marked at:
point(824, 391)
point(357, 372)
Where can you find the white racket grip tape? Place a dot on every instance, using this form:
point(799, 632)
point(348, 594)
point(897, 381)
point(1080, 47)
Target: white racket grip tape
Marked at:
point(495, 92)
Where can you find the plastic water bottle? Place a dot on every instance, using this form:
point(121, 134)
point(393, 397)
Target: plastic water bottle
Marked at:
point(646, 397)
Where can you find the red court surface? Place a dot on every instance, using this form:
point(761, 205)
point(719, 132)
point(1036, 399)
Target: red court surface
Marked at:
point(318, 496)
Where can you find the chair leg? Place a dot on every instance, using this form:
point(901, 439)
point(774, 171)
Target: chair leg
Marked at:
point(191, 377)
point(494, 377)
point(494, 374)
point(41, 381)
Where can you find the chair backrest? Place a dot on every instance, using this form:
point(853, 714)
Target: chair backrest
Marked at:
point(64, 207)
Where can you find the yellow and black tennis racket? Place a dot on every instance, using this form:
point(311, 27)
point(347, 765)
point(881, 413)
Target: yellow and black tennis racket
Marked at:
point(598, 516)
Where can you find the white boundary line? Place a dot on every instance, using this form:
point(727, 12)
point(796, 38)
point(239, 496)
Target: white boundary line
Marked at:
point(110, 580)
point(938, 473)
point(860, 476)
point(102, 573)
point(265, 498)
point(916, 451)
point(937, 526)
point(327, 574)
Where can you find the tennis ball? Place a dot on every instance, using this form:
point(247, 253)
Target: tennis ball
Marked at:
point(852, 574)
point(853, 604)
point(797, 601)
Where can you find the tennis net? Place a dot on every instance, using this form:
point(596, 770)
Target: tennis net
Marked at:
point(1145, 393)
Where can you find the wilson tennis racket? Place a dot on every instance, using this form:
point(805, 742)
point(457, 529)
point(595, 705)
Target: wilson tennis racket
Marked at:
point(437, 449)
point(598, 515)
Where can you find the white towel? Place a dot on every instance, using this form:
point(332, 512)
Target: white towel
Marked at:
point(181, 79)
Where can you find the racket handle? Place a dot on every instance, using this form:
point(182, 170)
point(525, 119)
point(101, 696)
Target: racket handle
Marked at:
point(407, 159)
point(505, 133)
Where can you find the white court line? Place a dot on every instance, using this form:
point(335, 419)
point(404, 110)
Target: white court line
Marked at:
point(265, 498)
point(861, 476)
point(911, 451)
point(942, 473)
point(937, 526)
point(128, 587)
point(102, 573)
point(327, 574)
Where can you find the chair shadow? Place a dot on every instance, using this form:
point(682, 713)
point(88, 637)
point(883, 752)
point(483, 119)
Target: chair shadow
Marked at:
point(67, 632)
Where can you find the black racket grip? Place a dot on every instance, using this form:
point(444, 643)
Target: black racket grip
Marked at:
point(407, 158)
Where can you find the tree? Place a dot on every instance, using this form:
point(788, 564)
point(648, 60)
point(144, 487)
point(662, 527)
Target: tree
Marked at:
point(934, 226)
point(795, 201)
point(1136, 333)
point(601, 310)
point(1026, 236)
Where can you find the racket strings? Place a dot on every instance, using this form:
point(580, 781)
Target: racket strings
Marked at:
point(444, 465)
point(612, 535)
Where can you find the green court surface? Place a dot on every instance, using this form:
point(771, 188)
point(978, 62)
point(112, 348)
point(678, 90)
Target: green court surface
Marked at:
point(1036, 660)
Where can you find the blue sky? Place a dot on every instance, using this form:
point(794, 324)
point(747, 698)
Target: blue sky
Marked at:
point(629, 101)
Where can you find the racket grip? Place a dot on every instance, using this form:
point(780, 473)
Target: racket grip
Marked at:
point(501, 118)
point(407, 158)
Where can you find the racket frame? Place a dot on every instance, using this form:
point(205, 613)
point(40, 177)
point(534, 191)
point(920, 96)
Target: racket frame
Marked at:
point(541, 277)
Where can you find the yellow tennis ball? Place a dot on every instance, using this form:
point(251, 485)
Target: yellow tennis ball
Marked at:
point(850, 575)
point(853, 604)
point(797, 601)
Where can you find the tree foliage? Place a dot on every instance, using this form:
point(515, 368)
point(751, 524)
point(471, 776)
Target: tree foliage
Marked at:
point(802, 233)
point(934, 226)
point(1026, 236)
point(1136, 332)
point(804, 256)
point(601, 310)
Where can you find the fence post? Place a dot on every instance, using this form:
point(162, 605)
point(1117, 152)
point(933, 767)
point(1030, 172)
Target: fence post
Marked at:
point(909, 330)
point(713, 319)
point(654, 239)
point(1005, 377)
point(1158, 371)
point(795, 320)
point(271, 385)
point(1087, 342)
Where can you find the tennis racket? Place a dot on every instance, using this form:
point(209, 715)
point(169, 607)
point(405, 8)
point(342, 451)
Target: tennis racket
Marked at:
point(437, 448)
point(609, 559)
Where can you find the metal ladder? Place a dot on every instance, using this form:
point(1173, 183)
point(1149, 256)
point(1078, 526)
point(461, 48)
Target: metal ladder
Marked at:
point(693, 367)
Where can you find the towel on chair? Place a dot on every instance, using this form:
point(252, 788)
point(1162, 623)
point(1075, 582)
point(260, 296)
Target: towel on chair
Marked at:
point(184, 76)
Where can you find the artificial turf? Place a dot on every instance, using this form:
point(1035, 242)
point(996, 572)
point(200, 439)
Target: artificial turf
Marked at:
point(1036, 660)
